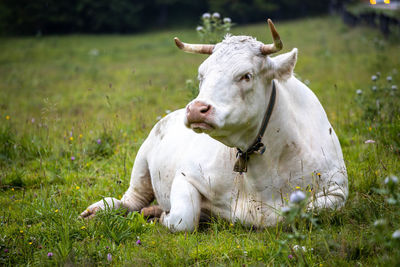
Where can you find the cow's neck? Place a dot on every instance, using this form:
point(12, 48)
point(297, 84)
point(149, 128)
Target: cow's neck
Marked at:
point(257, 146)
point(282, 128)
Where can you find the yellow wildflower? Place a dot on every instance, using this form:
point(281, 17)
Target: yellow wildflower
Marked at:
point(7, 117)
point(370, 128)
point(297, 187)
point(318, 173)
point(21, 231)
point(238, 246)
point(231, 224)
point(83, 228)
point(30, 243)
point(77, 187)
point(56, 210)
point(12, 189)
point(80, 136)
point(71, 138)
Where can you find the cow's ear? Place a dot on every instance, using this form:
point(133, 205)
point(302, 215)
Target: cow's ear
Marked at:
point(283, 65)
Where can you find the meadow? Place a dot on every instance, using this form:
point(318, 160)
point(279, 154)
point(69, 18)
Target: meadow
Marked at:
point(75, 109)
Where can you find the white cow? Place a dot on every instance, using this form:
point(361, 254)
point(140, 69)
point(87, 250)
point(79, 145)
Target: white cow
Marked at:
point(187, 162)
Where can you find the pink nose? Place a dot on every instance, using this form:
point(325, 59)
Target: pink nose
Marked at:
point(197, 111)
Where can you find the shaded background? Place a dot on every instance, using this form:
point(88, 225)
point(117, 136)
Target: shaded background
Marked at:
point(29, 17)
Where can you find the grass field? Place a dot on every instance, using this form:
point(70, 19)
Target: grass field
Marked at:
point(75, 109)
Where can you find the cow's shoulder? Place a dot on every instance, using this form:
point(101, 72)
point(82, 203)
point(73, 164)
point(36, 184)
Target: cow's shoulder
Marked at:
point(169, 123)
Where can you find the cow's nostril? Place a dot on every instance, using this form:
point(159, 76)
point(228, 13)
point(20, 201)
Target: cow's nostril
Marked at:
point(205, 109)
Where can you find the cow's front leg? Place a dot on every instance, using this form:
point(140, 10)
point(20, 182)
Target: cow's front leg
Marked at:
point(185, 206)
point(108, 202)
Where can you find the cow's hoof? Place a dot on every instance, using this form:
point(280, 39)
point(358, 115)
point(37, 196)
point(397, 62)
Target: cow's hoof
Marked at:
point(152, 211)
point(89, 213)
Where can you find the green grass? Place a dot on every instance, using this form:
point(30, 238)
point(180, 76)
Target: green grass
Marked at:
point(54, 88)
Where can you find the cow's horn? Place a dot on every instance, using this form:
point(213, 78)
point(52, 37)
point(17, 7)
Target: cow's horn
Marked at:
point(194, 48)
point(267, 49)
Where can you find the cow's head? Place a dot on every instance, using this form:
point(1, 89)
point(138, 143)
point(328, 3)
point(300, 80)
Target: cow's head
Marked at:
point(235, 85)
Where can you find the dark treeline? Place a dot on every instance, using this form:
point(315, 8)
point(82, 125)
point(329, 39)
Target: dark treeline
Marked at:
point(126, 16)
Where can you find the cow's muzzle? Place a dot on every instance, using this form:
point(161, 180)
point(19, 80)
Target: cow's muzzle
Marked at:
point(198, 116)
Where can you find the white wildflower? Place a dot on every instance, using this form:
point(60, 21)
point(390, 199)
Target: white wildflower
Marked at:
point(391, 179)
point(396, 234)
point(199, 28)
point(94, 52)
point(394, 87)
point(216, 15)
point(389, 78)
point(297, 196)
point(227, 20)
point(374, 78)
point(285, 210)
point(206, 16)
point(379, 223)
point(359, 92)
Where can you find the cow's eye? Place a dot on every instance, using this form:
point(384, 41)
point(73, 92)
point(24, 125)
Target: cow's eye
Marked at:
point(247, 77)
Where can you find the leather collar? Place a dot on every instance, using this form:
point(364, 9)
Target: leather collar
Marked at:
point(257, 146)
